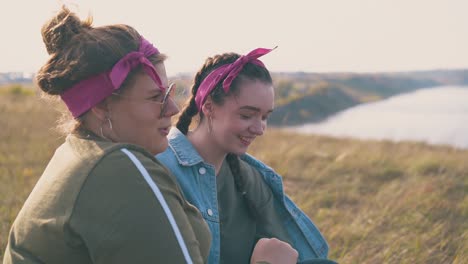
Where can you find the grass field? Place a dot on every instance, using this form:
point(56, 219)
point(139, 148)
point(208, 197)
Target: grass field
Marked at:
point(375, 202)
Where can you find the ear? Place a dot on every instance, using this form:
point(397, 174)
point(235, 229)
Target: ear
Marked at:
point(208, 107)
point(101, 110)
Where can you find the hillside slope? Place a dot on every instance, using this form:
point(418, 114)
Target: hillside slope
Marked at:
point(311, 97)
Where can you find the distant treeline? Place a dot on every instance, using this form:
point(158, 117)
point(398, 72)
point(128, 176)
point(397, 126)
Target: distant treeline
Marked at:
point(312, 97)
point(15, 77)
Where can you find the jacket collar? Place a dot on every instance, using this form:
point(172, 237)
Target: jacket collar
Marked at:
point(183, 149)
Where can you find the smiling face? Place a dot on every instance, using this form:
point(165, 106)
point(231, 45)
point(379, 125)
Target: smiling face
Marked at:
point(242, 117)
point(136, 113)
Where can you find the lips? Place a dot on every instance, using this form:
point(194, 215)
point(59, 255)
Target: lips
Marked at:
point(165, 130)
point(246, 140)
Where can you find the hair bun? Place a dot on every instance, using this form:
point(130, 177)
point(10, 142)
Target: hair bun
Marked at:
point(59, 31)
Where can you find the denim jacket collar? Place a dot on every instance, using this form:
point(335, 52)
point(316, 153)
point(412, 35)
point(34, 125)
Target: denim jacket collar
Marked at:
point(185, 152)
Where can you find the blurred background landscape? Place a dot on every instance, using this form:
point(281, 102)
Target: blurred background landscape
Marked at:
point(370, 128)
point(376, 201)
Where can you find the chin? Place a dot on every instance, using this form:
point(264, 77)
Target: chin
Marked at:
point(239, 151)
point(159, 148)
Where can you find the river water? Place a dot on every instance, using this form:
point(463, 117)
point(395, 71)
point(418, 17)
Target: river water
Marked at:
point(436, 116)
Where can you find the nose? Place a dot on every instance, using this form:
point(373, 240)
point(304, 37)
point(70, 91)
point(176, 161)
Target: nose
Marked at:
point(171, 108)
point(258, 127)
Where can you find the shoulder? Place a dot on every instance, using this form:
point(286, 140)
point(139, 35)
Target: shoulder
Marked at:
point(252, 177)
point(130, 163)
point(248, 168)
point(270, 177)
point(103, 161)
point(123, 178)
point(254, 162)
point(128, 203)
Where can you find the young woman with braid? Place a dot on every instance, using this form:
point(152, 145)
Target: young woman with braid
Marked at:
point(241, 199)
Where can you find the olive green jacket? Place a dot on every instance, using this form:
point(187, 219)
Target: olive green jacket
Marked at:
point(103, 202)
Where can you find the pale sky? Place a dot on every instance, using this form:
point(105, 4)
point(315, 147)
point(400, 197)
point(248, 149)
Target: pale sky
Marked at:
point(311, 35)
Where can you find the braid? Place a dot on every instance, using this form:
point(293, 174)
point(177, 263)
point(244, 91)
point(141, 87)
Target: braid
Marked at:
point(190, 109)
point(185, 117)
point(234, 164)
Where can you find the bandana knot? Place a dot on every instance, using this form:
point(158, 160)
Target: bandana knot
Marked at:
point(229, 72)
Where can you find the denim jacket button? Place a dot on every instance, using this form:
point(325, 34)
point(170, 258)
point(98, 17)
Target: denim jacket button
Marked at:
point(210, 212)
point(202, 170)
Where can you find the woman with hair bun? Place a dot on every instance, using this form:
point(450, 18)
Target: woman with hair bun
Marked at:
point(104, 198)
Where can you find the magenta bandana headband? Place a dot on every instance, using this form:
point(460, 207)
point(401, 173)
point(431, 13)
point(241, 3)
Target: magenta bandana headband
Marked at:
point(89, 92)
point(230, 71)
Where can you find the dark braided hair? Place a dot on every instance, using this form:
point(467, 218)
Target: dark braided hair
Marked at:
point(249, 72)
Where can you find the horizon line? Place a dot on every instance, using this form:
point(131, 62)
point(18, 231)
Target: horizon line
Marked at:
point(183, 73)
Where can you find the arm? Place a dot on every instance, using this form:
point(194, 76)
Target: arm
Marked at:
point(121, 220)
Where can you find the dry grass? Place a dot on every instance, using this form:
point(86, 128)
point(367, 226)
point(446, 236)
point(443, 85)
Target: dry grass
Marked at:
point(376, 202)
point(26, 144)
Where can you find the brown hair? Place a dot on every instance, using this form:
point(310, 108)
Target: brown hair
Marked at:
point(249, 72)
point(78, 51)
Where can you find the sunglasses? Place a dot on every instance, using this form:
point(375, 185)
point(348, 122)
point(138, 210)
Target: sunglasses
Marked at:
point(164, 101)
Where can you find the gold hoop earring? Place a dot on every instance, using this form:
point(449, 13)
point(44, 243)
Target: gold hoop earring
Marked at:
point(210, 125)
point(102, 134)
point(110, 127)
point(110, 123)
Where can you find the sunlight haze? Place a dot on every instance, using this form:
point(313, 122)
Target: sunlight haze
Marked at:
point(312, 36)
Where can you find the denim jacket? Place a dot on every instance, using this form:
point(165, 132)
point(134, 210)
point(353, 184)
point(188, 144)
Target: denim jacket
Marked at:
point(198, 182)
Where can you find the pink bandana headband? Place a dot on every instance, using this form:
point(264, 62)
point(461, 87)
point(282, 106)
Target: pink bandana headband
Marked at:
point(231, 71)
point(87, 93)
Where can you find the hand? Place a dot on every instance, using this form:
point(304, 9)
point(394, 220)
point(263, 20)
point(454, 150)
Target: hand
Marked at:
point(273, 251)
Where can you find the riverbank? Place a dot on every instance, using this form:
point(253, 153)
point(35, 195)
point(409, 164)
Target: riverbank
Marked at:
point(436, 115)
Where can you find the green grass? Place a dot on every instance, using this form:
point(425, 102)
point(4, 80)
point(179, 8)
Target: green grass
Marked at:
point(375, 202)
